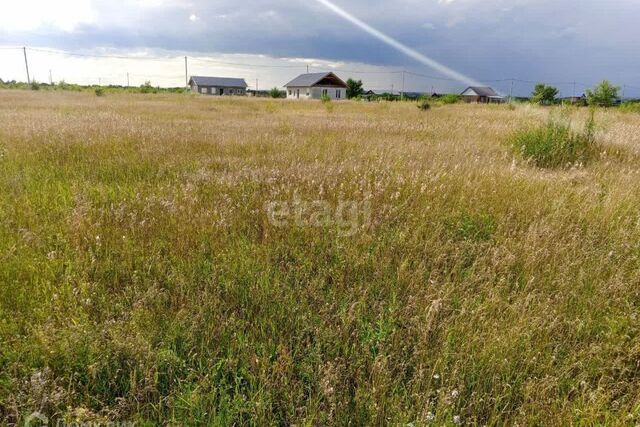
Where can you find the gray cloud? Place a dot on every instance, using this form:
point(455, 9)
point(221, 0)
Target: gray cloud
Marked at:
point(582, 40)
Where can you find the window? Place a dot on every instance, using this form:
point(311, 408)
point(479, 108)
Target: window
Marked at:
point(290, 92)
point(337, 93)
point(307, 91)
point(325, 92)
point(203, 90)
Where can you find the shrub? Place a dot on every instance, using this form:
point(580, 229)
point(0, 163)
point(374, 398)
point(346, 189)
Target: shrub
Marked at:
point(450, 99)
point(99, 91)
point(555, 144)
point(423, 105)
point(275, 93)
point(325, 99)
point(147, 88)
point(35, 85)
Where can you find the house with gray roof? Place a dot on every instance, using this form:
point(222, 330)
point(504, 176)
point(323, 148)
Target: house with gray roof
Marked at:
point(315, 86)
point(218, 86)
point(481, 95)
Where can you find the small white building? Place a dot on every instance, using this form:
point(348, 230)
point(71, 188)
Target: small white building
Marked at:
point(314, 86)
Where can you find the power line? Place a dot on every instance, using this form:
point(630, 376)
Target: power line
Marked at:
point(91, 55)
point(342, 70)
point(237, 64)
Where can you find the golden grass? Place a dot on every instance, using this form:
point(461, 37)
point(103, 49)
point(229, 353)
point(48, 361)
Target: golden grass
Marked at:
point(141, 278)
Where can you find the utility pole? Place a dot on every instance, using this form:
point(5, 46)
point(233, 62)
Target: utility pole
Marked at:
point(402, 95)
point(128, 85)
point(26, 64)
point(186, 73)
point(511, 91)
point(50, 78)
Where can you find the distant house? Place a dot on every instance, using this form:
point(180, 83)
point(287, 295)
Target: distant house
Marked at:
point(381, 95)
point(382, 92)
point(413, 95)
point(218, 86)
point(315, 86)
point(574, 100)
point(481, 95)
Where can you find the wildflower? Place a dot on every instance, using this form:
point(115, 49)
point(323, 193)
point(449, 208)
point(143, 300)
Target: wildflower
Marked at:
point(455, 394)
point(456, 420)
point(430, 416)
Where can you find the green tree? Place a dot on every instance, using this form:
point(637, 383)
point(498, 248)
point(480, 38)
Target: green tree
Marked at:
point(275, 93)
point(354, 88)
point(603, 95)
point(544, 95)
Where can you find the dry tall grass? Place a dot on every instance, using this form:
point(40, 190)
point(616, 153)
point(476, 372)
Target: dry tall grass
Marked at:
point(141, 278)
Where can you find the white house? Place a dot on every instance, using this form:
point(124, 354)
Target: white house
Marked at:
point(219, 86)
point(481, 95)
point(314, 86)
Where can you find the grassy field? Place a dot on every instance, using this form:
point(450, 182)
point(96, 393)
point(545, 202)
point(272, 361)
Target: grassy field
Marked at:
point(169, 259)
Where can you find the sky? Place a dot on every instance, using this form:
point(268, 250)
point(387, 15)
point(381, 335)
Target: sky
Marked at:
point(554, 41)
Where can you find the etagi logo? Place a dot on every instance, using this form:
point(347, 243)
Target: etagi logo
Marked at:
point(36, 419)
point(348, 216)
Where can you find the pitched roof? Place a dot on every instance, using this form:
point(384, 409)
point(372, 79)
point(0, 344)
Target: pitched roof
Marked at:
point(382, 92)
point(308, 80)
point(219, 81)
point(483, 91)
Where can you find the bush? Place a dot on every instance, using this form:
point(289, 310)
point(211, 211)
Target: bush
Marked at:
point(35, 85)
point(99, 91)
point(554, 144)
point(450, 99)
point(423, 105)
point(325, 99)
point(275, 93)
point(147, 88)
